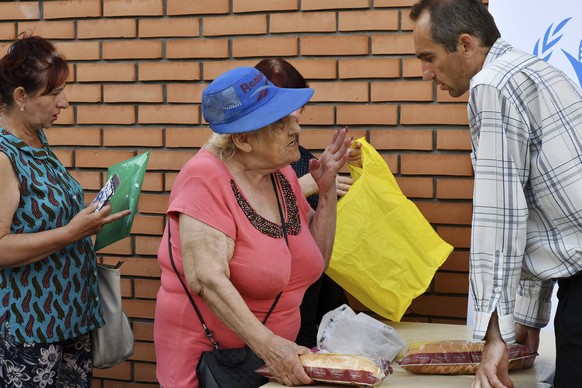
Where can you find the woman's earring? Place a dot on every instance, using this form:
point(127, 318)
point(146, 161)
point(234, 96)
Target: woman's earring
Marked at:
point(22, 108)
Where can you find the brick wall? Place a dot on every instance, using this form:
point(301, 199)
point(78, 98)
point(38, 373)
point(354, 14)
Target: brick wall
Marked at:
point(138, 70)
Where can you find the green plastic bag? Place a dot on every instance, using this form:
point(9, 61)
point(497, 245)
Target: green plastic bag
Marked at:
point(131, 173)
point(385, 252)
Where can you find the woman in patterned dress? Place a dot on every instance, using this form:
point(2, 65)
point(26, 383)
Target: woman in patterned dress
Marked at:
point(49, 300)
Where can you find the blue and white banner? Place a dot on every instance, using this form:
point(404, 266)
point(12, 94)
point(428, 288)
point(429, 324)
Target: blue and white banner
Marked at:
point(551, 30)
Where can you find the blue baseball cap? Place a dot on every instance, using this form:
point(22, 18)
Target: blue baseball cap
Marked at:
point(244, 100)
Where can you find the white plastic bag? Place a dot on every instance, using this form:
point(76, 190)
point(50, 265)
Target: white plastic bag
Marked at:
point(343, 331)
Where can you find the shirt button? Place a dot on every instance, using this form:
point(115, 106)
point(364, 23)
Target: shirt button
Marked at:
point(97, 299)
point(95, 273)
point(497, 290)
point(74, 197)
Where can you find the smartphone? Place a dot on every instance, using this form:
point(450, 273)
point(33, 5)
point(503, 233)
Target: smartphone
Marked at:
point(106, 192)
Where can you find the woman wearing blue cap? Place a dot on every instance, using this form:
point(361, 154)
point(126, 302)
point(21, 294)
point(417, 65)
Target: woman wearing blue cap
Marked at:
point(227, 239)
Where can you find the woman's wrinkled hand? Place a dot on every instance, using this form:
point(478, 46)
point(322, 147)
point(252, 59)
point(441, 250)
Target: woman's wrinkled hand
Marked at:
point(89, 222)
point(355, 158)
point(331, 161)
point(281, 357)
point(343, 184)
point(493, 369)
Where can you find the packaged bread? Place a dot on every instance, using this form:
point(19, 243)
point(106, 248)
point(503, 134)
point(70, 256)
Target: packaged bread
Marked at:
point(456, 357)
point(342, 369)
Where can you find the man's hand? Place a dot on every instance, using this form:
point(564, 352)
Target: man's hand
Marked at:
point(527, 336)
point(493, 370)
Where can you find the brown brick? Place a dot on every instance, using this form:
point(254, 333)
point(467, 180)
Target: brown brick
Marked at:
point(240, 6)
point(187, 137)
point(89, 180)
point(174, 27)
point(170, 178)
point(148, 224)
point(121, 372)
point(316, 139)
point(106, 28)
point(137, 266)
point(295, 22)
point(190, 93)
point(264, 47)
point(133, 49)
point(234, 25)
point(433, 114)
point(453, 139)
point(408, 139)
point(139, 309)
point(411, 68)
point(119, 8)
point(143, 331)
point(28, 10)
point(320, 68)
point(457, 261)
point(394, 3)
point(451, 283)
point(203, 48)
point(382, 20)
point(172, 114)
point(369, 68)
point(392, 44)
point(198, 7)
point(153, 203)
point(146, 288)
point(102, 72)
point(144, 351)
point(401, 91)
point(74, 136)
point(153, 181)
point(334, 45)
point(416, 187)
point(133, 93)
point(65, 117)
point(146, 245)
point(84, 93)
point(106, 114)
point(455, 188)
point(449, 306)
point(457, 236)
point(436, 164)
point(310, 5)
point(145, 372)
point(136, 137)
point(79, 51)
point(169, 160)
point(65, 9)
point(65, 157)
point(368, 114)
point(318, 115)
point(349, 91)
point(213, 69)
point(100, 158)
point(169, 71)
point(446, 213)
point(49, 30)
point(8, 31)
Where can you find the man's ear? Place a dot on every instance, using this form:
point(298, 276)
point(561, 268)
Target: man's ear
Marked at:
point(242, 142)
point(468, 44)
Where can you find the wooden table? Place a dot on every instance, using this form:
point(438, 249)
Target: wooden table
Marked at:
point(539, 376)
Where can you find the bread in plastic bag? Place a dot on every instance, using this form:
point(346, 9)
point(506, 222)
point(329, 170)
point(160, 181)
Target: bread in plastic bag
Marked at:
point(457, 357)
point(346, 369)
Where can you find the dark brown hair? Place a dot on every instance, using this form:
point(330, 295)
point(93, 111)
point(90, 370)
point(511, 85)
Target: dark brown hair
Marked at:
point(281, 73)
point(31, 62)
point(451, 18)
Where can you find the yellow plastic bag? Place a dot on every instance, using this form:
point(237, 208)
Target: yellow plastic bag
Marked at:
point(385, 252)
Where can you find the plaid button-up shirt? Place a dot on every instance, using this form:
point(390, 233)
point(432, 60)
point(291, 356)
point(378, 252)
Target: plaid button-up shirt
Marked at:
point(525, 119)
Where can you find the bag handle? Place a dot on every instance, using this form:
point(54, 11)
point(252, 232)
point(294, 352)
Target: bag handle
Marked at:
point(209, 333)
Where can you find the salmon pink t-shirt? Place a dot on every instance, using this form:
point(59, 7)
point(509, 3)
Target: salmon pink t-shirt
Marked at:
point(262, 265)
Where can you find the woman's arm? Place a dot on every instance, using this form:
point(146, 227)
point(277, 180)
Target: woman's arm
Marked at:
point(324, 170)
point(27, 248)
point(206, 253)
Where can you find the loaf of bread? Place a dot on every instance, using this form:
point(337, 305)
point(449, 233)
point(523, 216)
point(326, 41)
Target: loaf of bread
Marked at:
point(457, 357)
point(345, 368)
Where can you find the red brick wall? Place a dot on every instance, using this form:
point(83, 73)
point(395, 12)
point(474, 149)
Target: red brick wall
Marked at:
point(138, 70)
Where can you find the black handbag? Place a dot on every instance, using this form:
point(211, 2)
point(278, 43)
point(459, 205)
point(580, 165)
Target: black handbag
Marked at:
point(228, 368)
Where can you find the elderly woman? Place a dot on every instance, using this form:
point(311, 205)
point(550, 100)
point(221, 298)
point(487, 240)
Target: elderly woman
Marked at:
point(227, 238)
point(49, 300)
